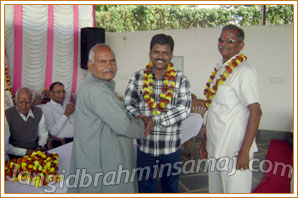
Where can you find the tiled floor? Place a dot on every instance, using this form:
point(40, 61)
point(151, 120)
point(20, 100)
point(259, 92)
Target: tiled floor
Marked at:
point(196, 181)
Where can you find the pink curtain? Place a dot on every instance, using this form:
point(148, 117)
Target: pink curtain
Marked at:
point(45, 46)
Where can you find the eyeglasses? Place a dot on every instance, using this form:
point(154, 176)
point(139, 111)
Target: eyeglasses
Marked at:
point(229, 41)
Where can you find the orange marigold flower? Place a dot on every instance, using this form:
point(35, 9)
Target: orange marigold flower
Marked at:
point(172, 78)
point(229, 70)
point(170, 94)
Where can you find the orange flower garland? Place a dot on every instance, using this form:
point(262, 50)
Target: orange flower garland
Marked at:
point(231, 65)
point(167, 89)
point(39, 168)
point(7, 80)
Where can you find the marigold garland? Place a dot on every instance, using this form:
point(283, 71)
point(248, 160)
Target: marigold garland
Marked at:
point(39, 168)
point(230, 66)
point(7, 80)
point(167, 89)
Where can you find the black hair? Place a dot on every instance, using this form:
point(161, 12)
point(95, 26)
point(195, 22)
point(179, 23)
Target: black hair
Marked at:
point(55, 83)
point(162, 39)
point(234, 27)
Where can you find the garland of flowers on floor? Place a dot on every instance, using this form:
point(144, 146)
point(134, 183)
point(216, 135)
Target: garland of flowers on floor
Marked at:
point(167, 89)
point(38, 169)
point(229, 67)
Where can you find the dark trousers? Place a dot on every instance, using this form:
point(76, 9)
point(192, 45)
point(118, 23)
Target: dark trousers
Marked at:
point(154, 167)
point(11, 156)
point(56, 143)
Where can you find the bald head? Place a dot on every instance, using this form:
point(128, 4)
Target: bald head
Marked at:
point(102, 62)
point(98, 47)
point(24, 90)
point(24, 100)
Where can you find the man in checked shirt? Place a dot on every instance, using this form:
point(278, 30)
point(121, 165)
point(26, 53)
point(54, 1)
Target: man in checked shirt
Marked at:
point(161, 93)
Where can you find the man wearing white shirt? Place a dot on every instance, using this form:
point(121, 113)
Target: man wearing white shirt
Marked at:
point(59, 115)
point(25, 126)
point(233, 116)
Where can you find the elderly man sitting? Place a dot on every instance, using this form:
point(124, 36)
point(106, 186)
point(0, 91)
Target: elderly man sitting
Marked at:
point(26, 126)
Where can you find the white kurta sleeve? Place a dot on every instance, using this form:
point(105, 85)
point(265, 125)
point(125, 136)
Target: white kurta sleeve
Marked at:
point(248, 87)
point(54, 126)
point(42, 132)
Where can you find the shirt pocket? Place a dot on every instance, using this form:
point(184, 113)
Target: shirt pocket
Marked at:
point(226, 96)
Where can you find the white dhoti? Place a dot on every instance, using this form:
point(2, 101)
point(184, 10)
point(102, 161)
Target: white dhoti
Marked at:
point(221, 182)
point(225, 178)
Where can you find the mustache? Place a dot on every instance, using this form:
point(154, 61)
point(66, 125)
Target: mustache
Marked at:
point(109, 70)
point(222, 47)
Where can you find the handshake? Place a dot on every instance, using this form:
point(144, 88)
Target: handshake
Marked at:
point(148, 121)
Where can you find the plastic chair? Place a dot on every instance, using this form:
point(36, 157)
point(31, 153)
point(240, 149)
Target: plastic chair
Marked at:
point(198, 106)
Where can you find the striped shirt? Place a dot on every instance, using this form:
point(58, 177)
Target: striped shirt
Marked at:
point(165, 137)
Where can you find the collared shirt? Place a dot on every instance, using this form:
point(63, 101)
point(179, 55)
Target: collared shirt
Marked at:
point(58, 124)
point(228, 113)
point(42, 133)
point(165, 137)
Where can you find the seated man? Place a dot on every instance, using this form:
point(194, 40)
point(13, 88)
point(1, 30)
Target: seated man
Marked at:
point(26, 126)
point(37, 99)
point(59, 116)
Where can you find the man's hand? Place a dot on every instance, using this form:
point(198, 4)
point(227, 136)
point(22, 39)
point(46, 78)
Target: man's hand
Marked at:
point(148, 123)
point(203, 150)
point(143, 117)
point(242, 161)
point(70, 108)
point(149, 126)
point(39, 148)
point(29, 151)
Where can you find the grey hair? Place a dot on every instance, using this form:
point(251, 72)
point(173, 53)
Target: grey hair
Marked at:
point(240, 32)
point(92, 53)
point(25, 89)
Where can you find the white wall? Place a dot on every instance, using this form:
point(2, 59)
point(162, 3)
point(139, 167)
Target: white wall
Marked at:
point(268, 48)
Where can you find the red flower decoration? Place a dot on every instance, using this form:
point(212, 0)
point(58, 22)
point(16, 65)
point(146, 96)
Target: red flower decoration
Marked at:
point(208, 92)
point(229, 70)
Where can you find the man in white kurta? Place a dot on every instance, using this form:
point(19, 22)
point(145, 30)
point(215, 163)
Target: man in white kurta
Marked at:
point(59, 115)
point(232, 121)
point(58, 123)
